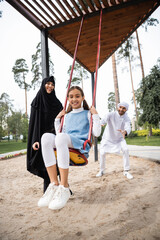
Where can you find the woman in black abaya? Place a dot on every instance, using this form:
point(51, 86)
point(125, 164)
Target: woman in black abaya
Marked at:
point(44, 109)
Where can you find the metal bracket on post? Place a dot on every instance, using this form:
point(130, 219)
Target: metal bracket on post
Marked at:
point(95, 139)
point(45, 53)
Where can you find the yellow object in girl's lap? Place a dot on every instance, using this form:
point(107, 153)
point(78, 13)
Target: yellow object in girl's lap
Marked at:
point(76, 158)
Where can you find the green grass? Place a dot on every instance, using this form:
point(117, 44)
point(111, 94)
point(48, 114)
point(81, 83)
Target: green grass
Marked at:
point(144, 141)
point(11, 146)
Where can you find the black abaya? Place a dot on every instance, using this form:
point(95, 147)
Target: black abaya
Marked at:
point(44, 109)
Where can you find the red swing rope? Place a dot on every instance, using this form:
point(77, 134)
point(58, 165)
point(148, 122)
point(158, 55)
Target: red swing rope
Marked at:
point(69, 83)
point(95, 82)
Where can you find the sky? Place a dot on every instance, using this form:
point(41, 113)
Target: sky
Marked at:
point(19, 39)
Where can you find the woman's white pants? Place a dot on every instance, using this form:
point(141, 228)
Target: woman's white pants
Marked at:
point(62, 143)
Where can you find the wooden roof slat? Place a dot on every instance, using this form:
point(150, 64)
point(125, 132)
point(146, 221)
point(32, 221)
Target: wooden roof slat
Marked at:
point(70, 8)
point(64, 9)
point(76, 7)
point(90, 4)
point(38, 12)
point(105, 3)
point(57, 10)
point(46, 13)
point(113, 2)
point(120, 1)
point(53, 13)
point(83, 6)
point(25, 11)
point(98, 4)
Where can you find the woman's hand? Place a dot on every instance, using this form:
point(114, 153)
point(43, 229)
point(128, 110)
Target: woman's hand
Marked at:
point(61, 114)
point(93, 110)
point(35, 146)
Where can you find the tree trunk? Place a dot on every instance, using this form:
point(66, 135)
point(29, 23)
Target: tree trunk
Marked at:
point(115, 79)
point(140, 55)
point(134, 99)
point(150, 130)
point(26, 100)
point(25, 95)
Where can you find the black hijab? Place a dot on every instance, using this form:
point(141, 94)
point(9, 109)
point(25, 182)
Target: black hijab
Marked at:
point(44, 109)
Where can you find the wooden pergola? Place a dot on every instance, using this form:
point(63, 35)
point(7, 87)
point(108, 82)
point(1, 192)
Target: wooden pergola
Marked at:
point(59, 20)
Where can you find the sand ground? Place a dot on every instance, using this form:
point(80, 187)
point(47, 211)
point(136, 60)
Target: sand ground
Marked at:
point(107, 208)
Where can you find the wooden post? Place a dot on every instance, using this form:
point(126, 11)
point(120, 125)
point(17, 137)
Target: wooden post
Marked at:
point(45, 54)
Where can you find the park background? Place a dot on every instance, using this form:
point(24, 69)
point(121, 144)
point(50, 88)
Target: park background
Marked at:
point(19, 39)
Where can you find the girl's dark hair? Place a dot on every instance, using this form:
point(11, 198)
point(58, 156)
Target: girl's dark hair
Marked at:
point(85, 105)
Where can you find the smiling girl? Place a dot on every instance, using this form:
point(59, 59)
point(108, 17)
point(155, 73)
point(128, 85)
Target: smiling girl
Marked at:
point(74, 133)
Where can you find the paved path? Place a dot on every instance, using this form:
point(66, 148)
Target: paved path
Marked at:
point(147, 152)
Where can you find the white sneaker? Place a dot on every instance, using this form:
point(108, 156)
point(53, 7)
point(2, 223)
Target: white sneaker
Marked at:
point(127, 175)
point(100, 173)
point(48, 195)
point(60, 198)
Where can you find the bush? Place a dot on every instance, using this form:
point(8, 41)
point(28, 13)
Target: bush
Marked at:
point(156, 132)
point(132, 134)
point(144, 133)
point(100, 137)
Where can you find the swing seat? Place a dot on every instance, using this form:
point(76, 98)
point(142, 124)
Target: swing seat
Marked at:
point(76, 158)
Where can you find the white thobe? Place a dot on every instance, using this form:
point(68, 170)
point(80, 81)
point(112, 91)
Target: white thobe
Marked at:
point(112, 140)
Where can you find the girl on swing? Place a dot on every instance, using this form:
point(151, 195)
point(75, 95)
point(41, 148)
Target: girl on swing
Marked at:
point(73, 135)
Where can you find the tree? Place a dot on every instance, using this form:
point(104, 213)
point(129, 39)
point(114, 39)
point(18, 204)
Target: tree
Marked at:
point(150, 100)
point(5, 108)
point(125, 52)
point(0, 10)
point(20, 71)
point(37, 67)
point(14, 124)
point(25, 125)
point(148, 22)
point(79, 74)
point(111, 102)
point(115, 79)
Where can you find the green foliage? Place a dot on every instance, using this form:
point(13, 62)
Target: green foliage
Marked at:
point(20, 71)
point(5, 108)
point(150, 99)
point(25, 125)
point(18, 125)
point(14, 124)
point(126, 49)
point(150, 22)
point(37, 67)
point(143, 133)
point(100, 137)
point(111, 102)
point(132, 134)
point(1, 132)
point(79, 74)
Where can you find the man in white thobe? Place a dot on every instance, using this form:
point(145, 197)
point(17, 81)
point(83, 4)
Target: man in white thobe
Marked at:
point(113, 139)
